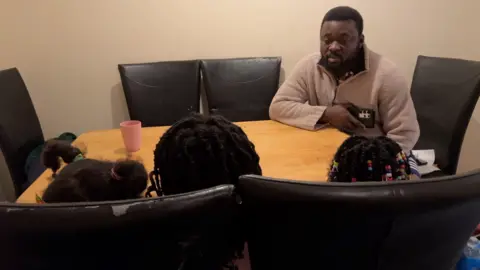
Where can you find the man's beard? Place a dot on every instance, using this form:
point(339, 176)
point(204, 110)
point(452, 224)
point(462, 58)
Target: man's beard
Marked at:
point(341, 66)
point(334, 61)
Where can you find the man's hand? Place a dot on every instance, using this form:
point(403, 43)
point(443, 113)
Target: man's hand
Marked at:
point(339, 117)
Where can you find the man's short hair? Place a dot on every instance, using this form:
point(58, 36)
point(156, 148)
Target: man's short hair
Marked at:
point(344, 13)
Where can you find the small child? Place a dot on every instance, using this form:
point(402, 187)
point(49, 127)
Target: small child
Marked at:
point(361, 159)
point(90, 180)
point(199, 152)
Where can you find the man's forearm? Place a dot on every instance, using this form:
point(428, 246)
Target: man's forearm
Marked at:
point(297, 114)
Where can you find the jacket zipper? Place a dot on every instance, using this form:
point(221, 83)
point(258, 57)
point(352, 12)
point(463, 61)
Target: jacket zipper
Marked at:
point(337, 84)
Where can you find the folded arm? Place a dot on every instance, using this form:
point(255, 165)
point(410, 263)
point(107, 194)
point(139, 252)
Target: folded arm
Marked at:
point(291, 103)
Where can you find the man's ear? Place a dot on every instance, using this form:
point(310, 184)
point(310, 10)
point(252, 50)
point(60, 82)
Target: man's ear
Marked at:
point(362, 41)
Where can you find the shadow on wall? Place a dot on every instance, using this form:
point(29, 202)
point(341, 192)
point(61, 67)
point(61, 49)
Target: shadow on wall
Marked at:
point(119, 105)
point(469, 157)
point(282, 76)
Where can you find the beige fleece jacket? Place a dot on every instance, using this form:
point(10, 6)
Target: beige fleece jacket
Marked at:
point(307, 92)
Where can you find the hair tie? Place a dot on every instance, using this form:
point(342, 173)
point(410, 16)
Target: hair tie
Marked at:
point(114, 175)
point(335, 166)
point(402, 161)
point(39, 199)
point(388, 173)
point(369, 164)
point(400, 158)
point(334, 169)
point(78, 157)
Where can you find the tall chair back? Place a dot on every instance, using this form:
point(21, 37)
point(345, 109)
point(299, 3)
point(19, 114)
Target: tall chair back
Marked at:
point(445, 92)
point(413, 225)
point(159, 94)
point(195, 230)
point(241, 89)
point(20, 130)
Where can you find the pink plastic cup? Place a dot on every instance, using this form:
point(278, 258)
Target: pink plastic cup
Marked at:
point(132, 135)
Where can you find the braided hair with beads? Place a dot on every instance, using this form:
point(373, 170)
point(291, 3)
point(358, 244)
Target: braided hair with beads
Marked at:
point(369, 159)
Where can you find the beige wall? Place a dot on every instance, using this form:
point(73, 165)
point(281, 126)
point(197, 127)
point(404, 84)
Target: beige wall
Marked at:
point(68, 50)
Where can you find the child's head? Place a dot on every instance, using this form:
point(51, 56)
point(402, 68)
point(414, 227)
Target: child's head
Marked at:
point(200, 152)
point(53, 150)
point(90, 179)
point(369, 159)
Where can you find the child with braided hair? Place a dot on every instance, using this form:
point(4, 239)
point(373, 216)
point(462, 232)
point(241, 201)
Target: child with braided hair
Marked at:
point(369, 159)
point(200, 152)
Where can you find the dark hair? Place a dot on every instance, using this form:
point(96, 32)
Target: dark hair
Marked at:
point(90, 179)
point(54, 149)
point(369, 159)
point(199, 152)
point(344, 13)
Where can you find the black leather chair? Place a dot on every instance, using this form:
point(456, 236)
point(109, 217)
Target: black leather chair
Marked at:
point(414, 225)
point(189, 231)
point(445, 92)
point(241, 89)
point(20, 130)
point(159, 94)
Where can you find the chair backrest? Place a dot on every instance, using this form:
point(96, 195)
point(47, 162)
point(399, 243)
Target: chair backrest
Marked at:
point(189, 231)
point(241, 89)
point(161, 93)
point(20, 130)
point(445, 92)
point(413, 225)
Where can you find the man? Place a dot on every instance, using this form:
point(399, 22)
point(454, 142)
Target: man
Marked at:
point(345, 74)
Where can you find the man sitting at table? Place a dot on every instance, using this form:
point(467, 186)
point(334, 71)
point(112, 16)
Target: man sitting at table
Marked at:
point(344, 75)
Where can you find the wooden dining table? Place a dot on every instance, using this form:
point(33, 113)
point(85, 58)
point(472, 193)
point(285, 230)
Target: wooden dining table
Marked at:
point(285, 152)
